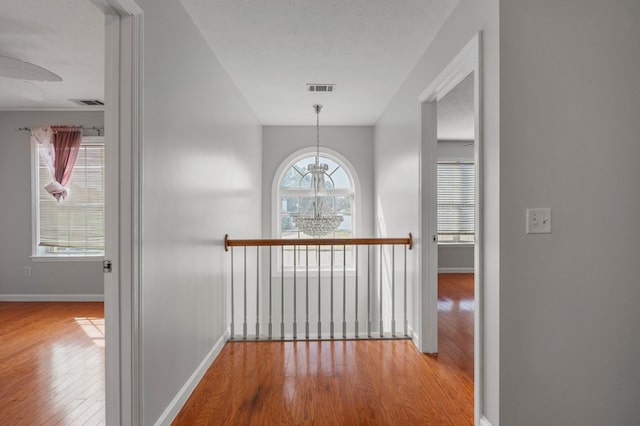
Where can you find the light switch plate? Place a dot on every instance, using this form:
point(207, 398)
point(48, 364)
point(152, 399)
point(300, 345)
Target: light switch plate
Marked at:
point(539, 221)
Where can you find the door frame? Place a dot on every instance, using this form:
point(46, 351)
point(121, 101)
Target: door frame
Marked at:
point(468, 60)
point(123, 136)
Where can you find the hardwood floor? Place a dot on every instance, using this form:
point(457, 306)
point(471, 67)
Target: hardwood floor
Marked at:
point(51, 363)
point(346, 382)
point(52, 372)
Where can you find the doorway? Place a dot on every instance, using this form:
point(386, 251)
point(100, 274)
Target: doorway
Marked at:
point(463, 69)
point(123, 59)
point(50, 76)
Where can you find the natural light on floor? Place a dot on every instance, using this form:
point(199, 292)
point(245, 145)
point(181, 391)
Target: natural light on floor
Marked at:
point(447, 305)
point(93, 328)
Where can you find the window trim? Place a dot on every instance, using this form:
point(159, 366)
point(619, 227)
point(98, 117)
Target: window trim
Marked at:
point(35, 211)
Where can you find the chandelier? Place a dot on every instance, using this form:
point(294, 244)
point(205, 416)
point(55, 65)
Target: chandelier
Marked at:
point(318, 218)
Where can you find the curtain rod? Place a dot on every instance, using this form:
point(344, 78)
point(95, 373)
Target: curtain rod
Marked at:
point(97, 129)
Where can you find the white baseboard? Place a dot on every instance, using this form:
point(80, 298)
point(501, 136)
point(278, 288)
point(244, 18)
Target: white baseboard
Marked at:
point(181, 397)
point(51, 297)
point(414, 337)
point(456, 270)
point(484, 421)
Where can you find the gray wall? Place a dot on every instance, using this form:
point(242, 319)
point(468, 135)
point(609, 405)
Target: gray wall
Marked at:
point(570, 108)
point(59, 279)
point(354, 142)
point(202, 161)
point(455, 150)
point(397, 153)
point(455, 257)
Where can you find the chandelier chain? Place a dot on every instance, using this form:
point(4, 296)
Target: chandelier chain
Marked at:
point(319, 217)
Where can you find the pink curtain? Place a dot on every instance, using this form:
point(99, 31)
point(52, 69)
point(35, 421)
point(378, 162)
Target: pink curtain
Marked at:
point(66, 145)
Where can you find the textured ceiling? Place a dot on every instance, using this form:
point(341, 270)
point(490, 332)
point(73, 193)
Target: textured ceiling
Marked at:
point(455, 112)
point(273, 48)
point(63, 36)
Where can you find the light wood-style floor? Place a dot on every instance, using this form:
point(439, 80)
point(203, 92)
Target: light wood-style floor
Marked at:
point(52, 372)
point(346, 382)
point(51, 363)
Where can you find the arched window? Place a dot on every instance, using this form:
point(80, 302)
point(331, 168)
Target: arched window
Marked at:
point(294, 188)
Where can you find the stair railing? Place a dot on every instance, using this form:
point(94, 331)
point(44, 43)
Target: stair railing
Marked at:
point(340, 275)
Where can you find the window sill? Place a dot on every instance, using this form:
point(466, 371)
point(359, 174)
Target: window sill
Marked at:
point(67, 258)
point(456, 244)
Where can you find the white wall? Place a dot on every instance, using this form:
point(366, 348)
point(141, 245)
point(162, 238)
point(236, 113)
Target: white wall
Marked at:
point(354, 142)
point(202, 160)
point(455, 257)
point(397, 153)
point(56, 279)
point(570, 103)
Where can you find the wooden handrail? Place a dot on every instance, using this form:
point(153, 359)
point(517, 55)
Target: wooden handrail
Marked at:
point(316, 242)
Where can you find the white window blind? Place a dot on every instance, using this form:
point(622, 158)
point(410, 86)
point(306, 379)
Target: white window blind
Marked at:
point(456, 202)
point(76, 225)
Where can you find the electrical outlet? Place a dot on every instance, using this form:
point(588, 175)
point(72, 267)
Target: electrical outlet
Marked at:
point(27, 271)
point(539, 221)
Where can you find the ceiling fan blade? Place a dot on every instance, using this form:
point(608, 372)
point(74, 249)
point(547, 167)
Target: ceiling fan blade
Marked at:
point(15, 68)
point(21, 89)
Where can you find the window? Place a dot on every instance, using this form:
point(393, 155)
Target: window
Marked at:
point(295, 184)
point(456, 202)
point(293, 188)
point(74, 227)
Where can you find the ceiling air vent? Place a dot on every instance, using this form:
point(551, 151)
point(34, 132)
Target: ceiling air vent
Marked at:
point(87, 102)
point(314, 87)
